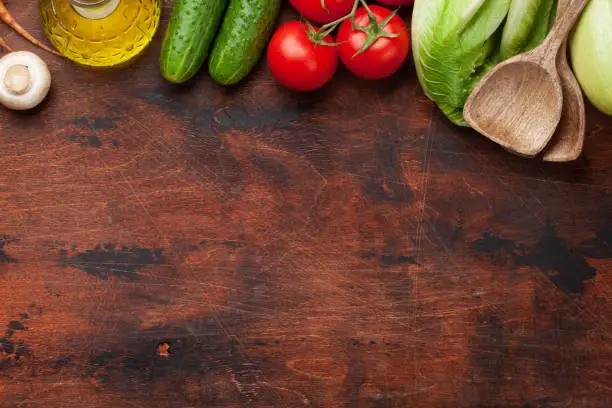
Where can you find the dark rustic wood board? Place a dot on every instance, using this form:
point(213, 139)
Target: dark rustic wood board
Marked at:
point(197, 246)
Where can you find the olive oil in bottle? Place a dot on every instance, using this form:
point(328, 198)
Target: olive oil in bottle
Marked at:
point(100, 33)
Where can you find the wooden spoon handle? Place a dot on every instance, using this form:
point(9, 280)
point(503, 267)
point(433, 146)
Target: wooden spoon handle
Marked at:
point(563, 25)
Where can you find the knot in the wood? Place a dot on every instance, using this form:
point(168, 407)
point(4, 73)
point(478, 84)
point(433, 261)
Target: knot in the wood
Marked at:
point(163, 349)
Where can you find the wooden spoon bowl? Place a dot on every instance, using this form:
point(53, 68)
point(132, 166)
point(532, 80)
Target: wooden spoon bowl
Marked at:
point(518, 104)
point(522, 110)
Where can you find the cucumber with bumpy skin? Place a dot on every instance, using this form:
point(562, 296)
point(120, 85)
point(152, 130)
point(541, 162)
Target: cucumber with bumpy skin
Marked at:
point(188, 38)
point(245, 30)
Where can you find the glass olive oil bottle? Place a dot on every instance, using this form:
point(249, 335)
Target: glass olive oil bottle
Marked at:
point(100, 33)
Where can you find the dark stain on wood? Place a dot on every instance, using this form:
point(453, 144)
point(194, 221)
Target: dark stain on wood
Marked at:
point(564, 265)
point(12, 350)
point(63, 362)
point(86, 140)
point(4, 257)
point(499, 249)
point(16, 325)
point(232, 244)
point(599, 247)
point(101, 123)
point(390, 260)
point(109, 260)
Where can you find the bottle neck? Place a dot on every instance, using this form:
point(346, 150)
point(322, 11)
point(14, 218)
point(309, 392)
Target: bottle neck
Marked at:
point(95, 9)
point(87, 3)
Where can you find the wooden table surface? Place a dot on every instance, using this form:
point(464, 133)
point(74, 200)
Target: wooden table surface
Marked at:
point(196, 246)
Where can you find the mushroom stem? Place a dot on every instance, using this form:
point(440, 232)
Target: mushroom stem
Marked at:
point(10, 21)
point(17, 79)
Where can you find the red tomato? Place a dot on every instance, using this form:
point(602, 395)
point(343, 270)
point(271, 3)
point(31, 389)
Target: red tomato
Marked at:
point(396, 3)
point(296, 62)
point(315, 11)
point(385, 55)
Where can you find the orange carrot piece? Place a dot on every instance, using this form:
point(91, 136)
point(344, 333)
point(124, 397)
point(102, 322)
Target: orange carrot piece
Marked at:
point(10, 21)
point(4, 45)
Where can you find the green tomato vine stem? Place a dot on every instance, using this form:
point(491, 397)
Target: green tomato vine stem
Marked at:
point(373, 31)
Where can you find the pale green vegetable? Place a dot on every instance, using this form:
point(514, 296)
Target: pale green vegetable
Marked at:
point(456, 42)
point(527, 24)
point(591, 53)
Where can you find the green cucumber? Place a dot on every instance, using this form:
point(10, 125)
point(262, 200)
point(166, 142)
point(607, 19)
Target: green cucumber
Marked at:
point(245, 30)
point(190, 33)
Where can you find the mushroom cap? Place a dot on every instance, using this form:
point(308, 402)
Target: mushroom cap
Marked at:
point(39, 80)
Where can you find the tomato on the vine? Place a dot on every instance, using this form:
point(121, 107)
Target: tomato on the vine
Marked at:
point(300, 57)
point(373, 50)
point(323, 11)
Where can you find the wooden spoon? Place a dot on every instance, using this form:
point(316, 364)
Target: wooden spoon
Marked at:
point(518, 103)
point(566, 144)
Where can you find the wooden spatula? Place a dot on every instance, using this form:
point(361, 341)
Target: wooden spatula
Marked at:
point(566, 144)
point(518, 103)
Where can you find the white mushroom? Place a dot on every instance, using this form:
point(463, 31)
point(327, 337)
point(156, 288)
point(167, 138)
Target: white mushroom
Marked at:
point(24, 80)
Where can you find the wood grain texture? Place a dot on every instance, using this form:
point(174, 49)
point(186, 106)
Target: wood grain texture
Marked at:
point(199, 246)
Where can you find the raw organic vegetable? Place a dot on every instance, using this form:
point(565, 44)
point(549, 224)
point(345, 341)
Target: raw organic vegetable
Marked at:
point(322, 11)
point(300, 57)
point(456, 42)
point(24, 80)
point(190, 33)
point(8, 19)
point(375, 44)
point(535, 16)
point(4, 45)
point(591, 53)
point(244, 32)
